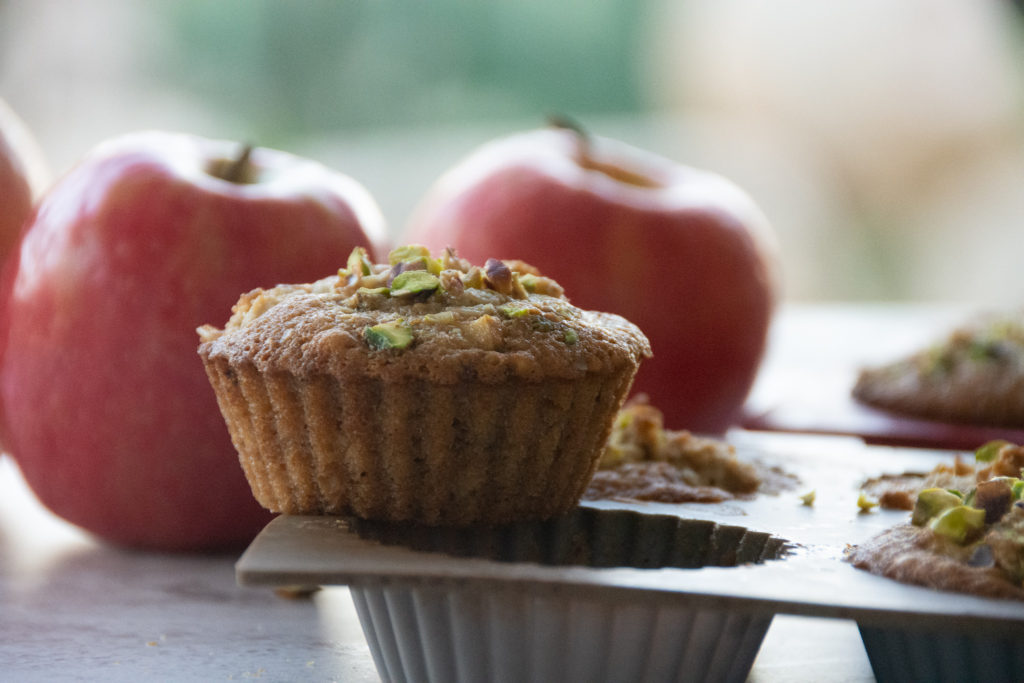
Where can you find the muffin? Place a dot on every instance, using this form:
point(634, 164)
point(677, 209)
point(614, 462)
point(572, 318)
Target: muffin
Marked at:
point(644, 461)
point(425, 389)
point(975, 375)
point(968, 539)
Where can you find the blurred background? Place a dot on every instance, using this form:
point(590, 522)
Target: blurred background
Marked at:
point(884, 140)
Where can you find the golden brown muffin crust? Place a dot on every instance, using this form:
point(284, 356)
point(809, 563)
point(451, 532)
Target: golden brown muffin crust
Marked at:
point(474, 334)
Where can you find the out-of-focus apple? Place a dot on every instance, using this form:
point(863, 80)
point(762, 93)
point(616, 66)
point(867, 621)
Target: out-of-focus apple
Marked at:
point(685, 254)
point(107, 410)
point(23, 176)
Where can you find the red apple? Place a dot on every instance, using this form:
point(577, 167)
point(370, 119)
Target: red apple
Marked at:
point(107, 408)
point(23, 175)
point(685, 254)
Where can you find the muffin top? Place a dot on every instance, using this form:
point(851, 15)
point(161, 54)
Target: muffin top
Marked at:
point(439, 319)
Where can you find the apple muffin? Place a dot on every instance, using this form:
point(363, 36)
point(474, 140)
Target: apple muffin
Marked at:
point(975, 375)
point(424, 389)
point(968, 539)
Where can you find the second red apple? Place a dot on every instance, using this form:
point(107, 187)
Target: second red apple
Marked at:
point(685, 254)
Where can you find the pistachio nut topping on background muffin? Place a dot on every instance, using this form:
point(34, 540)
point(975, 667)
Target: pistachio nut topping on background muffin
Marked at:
point(968, 539)
point(973, 375)
point(424, 389)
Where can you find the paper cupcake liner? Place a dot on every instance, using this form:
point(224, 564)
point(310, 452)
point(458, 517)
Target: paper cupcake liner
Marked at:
point(454, 455)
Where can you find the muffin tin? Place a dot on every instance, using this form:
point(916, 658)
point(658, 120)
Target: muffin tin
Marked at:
point(646, 591)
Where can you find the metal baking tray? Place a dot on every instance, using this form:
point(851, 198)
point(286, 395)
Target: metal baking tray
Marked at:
point(647, 591)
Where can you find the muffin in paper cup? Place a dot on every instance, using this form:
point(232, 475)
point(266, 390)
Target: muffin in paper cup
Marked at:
point(425, 389)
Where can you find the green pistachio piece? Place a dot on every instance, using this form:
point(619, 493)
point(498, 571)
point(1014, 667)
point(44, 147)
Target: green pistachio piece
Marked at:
point(990, 451)
point(359, 262)
point(415, 257)
point(514, 310)
point(569, 336)
point(931, 503)
point(529, 282)
point(1018, 489)
point(808, 498)
point(958, 523)
point(390, 335)
point(414, 282)
point(538, 284)
point(865, 503)
point(372, 291)
point(408, 252)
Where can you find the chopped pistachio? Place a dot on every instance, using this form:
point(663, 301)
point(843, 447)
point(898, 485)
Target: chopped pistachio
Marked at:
point(373, 291)
point(990, 451)
point(451, 261)
point(932, 502)
point(408, 252)
point(538, 284)
point(529, 281)
point(358, 263)
point(995, 497)
point(569, 336)
point(518, 291)
point(1017, 487)
point(808, 498)
point(958, 523)
point(865, 503)
point(451, 282)
point(498, 276)
point(396, 334)
point(414, 282)
point(414, 257)
point(514, 310)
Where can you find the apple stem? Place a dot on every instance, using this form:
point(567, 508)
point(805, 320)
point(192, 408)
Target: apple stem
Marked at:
point(237, 170)
point(583, 141)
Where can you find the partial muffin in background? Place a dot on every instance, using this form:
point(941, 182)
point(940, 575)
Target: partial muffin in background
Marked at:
point(973, 376)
